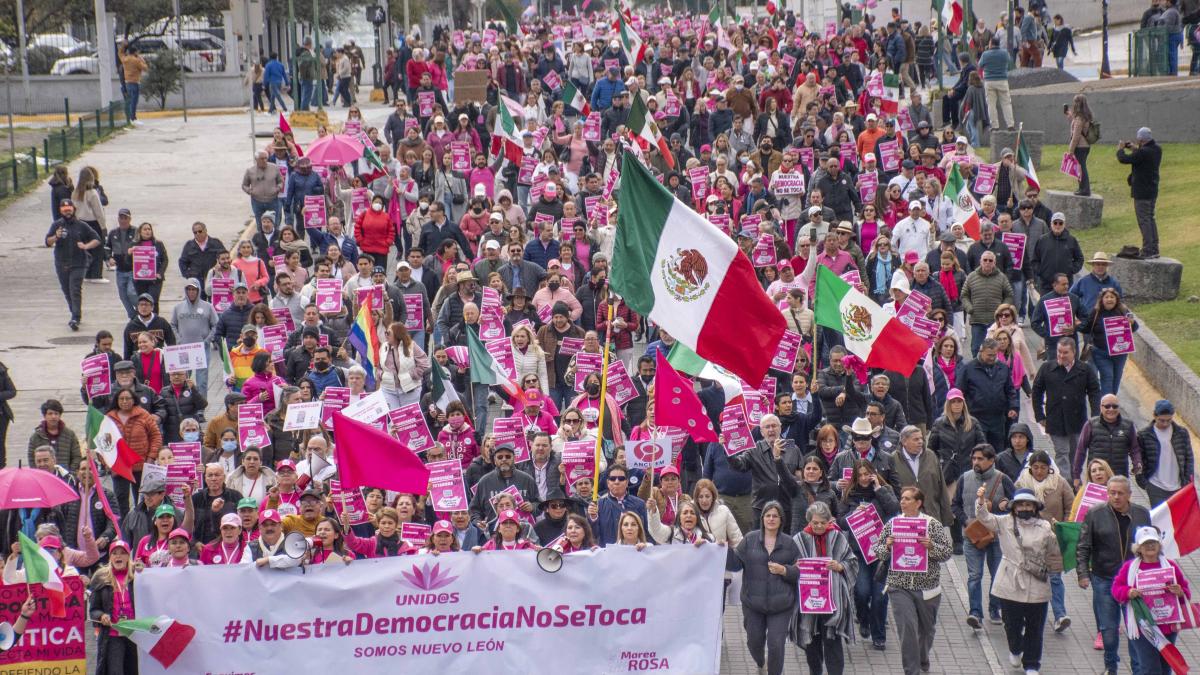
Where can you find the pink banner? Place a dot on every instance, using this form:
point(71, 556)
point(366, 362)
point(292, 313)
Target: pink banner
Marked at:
point(985, 178)
point(334, 398)
point(460, 155)
point(866, 527)
point(511, 430)
point(329, 296)
point(501, 351)
point(586, 363)
point(578, 460)
point(721, 220)
point(926, 329)
point(889, 155)
point(284, 316)
point(283, 173)
point(756, 406)
point(1059, 315)
point(947, 148)
point(349, 502)
point(1118, 332)
point(525, 173)
point(447, 490)
point(764, 251)
point(751, 222)
point(1164, 606)
point(410, 428)
point(1070, 166)
point(908, 554)
point(591, 128)
point(491, 324)
point(784, 360)
point(1015, 241)
point(314, 212)
point(735, 430)
point(904, 120)
point(868, 185)
point(222, 293)
point(145, 263)
point(620, 385)
point(425, 102)
point(252, 430)
point(816, 592)
point(50, 644)
point(570, 346)
point(848, 153)
point(553, 82)
point(96, 375)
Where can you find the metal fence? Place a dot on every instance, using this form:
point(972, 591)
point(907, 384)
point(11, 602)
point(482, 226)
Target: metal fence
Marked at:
point(29, 167)
point(1148, 50)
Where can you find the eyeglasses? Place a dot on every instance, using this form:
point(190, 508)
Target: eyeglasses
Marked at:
point(1110, 406)
point(617, 479)
point(573, 420)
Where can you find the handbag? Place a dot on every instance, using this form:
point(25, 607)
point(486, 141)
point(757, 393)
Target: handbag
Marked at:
point(976, 532)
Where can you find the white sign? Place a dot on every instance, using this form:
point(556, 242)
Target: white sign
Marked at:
point(369, 409)
point(495, 612)
point(191, 356)
point(301, 416)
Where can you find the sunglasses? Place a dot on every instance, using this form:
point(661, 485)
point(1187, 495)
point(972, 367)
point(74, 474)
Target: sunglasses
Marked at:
point(617, 479)
point(1110, 406)
point(573, 420)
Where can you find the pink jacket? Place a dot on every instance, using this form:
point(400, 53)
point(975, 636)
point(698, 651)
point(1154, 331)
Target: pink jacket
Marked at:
point(522, 545)
point(1120, 586)
point(259, 383)
point(459, 444)
point(365, 547)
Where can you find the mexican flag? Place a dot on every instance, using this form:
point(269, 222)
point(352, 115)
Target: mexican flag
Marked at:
point(1025, 161)
point(890, 103)
point(960, 196)
point(1068, 540)
point(715, 15)
point(41, 568)
point(951, 15)
point(162, 637)
point(645, 131)
point(689, 277)
point(574, 98)
point(631, 42)
point(109, 443)
point(484, 368)
point(443, 392)
point(373, 159)
point(226, 363)
point(869, 333)
point(687, 361)
point(1178, 519)
point(1140, 622)
point(513, 28)
point(504, 136)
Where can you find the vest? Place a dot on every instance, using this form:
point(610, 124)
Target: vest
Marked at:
point(1111, 443)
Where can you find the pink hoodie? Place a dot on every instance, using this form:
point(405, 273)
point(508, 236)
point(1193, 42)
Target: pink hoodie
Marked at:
point(459, 444)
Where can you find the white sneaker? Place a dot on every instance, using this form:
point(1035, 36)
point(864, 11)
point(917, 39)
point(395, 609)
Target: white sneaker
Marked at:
point(1031, 671)
point(137, 123)
point(101, 280)
point(1014, 660)
point(1062, 624)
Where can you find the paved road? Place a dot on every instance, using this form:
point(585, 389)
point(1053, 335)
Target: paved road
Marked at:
point(172, 174)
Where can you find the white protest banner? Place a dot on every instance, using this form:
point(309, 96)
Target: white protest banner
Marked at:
point(369, 409)
point(495, 612)
point(649, 453)
point(182, 358)
point(301, 416)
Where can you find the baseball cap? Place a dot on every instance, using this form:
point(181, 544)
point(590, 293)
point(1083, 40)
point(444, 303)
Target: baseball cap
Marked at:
point(285, 464)
point(403, 265)
point(231, 520)
point(164, 510)
point(179, 532)
point(504, 447)
point(914, 204)
point(442, 526)
point(270, 516)
point(311, 492)
point(122, 365)
point(1146, 533)
point(146, 297)
point(1058, 215)
point(247, 503)
point(508, 514)
point(955, 393)
point(118, 543)
point(871, 116)
point(249, 328)
point(492, 244)
point(669, 470)
point(124, 212)
point(1164, 407)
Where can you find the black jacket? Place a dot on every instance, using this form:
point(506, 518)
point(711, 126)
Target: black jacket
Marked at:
point(763, 591)
point(952, 444)
point(1143, 174)
point(208, 522)
point(1102, 550)
point(8, 390)
point(190, 402)
point(194, 263)
point(989, 390)
point(1181, 445)
point(829, 385)
point(912, 393)
point(1067, 396)
point(159, 327)
point(767, 474)
point(1053, 254)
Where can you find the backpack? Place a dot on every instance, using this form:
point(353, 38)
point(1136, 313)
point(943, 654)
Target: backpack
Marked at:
point(1092, 134)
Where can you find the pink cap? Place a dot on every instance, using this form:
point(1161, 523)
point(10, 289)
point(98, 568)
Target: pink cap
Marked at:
point(911, 257)
point(669, 470)
point(179, 532)
point(955, 394)
point(508, 514)
point(231, 520)
point(443, 526)
point(270, 515)
point(51, 542)
point(286, 463)
point(119, 543)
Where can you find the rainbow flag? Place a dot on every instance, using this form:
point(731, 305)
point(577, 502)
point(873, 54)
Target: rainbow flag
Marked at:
point(365, 339)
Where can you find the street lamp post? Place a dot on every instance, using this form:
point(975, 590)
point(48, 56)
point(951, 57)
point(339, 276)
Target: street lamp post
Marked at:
point(1105, 69)
point(316, 29)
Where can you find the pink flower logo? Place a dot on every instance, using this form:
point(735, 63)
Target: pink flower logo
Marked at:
point(426, 578)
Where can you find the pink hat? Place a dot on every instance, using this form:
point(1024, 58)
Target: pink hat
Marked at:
point(270, 515)
point(550, 190)
point(231, 520)
point(51, 542)
point(508, 514)
point(119, 543)
point(955, 394)
point(669, 470)
point(443, 526)
point(912, 256)
point(285, 464)
point(179, 532)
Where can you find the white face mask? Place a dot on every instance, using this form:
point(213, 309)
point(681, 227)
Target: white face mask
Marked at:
point(376, 206)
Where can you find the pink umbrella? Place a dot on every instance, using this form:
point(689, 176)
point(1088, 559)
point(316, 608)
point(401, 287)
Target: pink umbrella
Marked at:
point(24, 488)
point(334, 150)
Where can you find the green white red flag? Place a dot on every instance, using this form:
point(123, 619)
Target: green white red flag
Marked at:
point(869, 332)
point(966, 212)
point(162, 637)
point(574, 98)
point(641, 123)
point(42, 568)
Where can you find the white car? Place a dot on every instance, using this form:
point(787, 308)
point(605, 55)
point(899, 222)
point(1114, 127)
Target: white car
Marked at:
point(60, 41)
point(202, 53)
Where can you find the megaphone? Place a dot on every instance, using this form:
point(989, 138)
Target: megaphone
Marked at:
point(7, 636)
point(550, 560)
point(295, 545)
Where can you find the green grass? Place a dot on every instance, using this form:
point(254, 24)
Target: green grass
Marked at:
point(1177, 322)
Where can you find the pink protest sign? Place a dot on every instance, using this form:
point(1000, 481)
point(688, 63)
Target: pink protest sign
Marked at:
point(672, 105)
point(807, 157)
point(96, 375)
point(279, 262)
point(889, 155)
point(1164, 606)
point(274, 340)
point(348, 502)
point(751, 223)
point(784, 360)
point(764, 251)
point(985, 178)
point(552, 80)
point(1059, 315)
point(875, 85)
point(314, 212)
point(908, 554)
point(489, 37)
point(252, 430)
point(491, 323)
point(816, 593)
point(868, 185)
point(735, 430)
point(926, 329)
point(1015, 241)
point(525, 173)
point(699, 178)
point(947, 148)
point(790, 183)
point(756, 406)
point(848, 153)
point(545, 312)
point(586, 363)
point(425, 103)
point(511, 430)
point(570, 346)
point(620, 385)
point(612, 63)
point(518, 500)
point(358, 201)
point(916, 304)
point(501, 351)
point(578, 460)
point(1118, 332)
point(145, 263)
point(334, 398)
point(414, 311)
point(284, 316)
point(1094, 494)
point(329, 296)
point(447, 490)
point(460, 155)
point(179, 474)
point(721, 220)
point(866, 527)
point(283, 173)
point(222, 293)
point(591, 128)
point(371, 296)
point(416, 534)
point(904, 120)
point(410, 428)
point(1070, 166)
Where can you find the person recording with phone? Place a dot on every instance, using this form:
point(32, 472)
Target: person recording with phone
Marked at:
point(765, 464)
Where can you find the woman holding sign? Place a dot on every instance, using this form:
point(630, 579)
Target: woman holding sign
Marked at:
point(385, 544)
point(404, 364)
point(769, 592)
point(112, 601)
point(825, 614)
point(915, 544)
point(1111, 326)
point(1149, 582)
point(866, 503)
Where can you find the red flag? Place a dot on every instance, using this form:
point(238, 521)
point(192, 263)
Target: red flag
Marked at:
point(283, 125)
point(676, 403)
point(368, 457)
point(101, 496)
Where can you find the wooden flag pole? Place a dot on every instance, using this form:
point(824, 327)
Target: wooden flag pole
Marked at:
point(603, 398)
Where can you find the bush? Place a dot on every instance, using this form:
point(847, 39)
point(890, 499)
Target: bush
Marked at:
point(163, 78)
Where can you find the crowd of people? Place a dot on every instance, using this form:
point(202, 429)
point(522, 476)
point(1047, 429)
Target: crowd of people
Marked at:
point(785, 139)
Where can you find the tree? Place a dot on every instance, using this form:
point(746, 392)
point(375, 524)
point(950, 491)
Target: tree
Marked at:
point(163, 78)
point(332, 14)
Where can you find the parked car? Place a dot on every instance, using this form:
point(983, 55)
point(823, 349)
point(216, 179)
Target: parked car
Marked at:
point(202, 53)
point(60, 41)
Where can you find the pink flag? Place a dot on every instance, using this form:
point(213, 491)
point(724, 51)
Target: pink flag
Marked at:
point(676, 404)
point(366, 456)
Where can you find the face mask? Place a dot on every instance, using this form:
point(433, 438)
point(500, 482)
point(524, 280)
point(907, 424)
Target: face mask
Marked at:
point(424, 208)
point(249, 341)
point(1026, 515)
point(593, 389)
point(228, 446)
point(191, 436)
point(553, 286)
point(377, 207)
point(456, 424)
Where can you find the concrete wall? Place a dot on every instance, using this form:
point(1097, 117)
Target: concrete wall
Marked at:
point(1168, 108)
point(46, 93)
point(1170, 375)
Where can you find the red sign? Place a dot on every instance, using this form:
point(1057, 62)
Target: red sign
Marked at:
point(49, 645)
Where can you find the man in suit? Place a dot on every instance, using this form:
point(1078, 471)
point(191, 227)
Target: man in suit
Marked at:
point(917, 465)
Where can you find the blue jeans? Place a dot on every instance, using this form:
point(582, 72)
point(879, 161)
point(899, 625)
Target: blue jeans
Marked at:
point(1174, 42)
point(969, 128)
point(1021, 297)
point(1057, 596)
point(133, 92)
point(561, 394)
point(1146, 655)
point(1111, 368)
point(306, 95)
point(259, 208)
point(869, 601)
point(1059, 60)
point(978, 333)
point(275, 93)
point(126, 293)
point(975, 559)
point(1109, 622)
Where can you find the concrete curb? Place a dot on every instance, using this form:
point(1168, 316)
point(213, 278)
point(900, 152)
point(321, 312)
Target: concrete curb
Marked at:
point(1168, 373)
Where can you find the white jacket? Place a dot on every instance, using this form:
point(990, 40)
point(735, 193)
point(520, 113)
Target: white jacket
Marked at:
point(409, 371)
point(532, 362)
point(722, 525)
